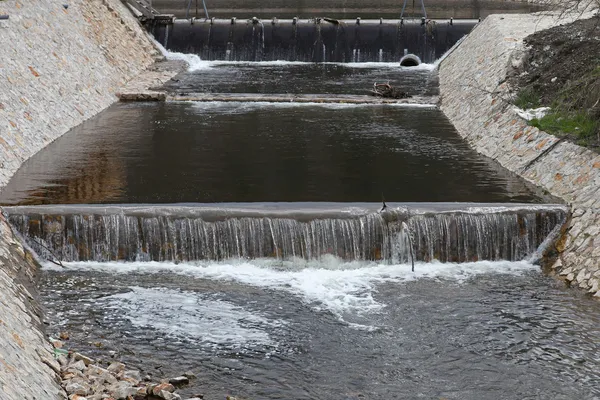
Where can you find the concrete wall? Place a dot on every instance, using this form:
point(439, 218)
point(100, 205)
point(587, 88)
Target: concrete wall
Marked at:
point(58, 67)
point(473, 93)
point(345, 8)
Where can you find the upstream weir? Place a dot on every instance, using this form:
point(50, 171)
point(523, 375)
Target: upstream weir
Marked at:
point(408, 41)
point(353, 232)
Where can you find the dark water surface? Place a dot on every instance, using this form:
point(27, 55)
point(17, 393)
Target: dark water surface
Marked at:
point(248, 152)
point(468, 331)
point(268, 152)
point(304, 78)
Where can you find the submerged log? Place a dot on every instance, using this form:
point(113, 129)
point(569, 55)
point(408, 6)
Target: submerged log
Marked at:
point(387, 90)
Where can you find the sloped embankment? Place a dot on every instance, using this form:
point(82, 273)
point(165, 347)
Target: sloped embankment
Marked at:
point(474, 88)
point(60, 64)
point(562, 71)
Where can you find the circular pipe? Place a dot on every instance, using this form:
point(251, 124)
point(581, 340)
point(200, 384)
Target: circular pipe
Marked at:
point(410, 60)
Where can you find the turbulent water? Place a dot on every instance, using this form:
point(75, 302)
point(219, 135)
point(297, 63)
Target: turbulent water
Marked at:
point(327, 330)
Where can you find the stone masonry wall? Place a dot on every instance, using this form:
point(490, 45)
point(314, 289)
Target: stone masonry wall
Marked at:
point(473, 97)
point(58, 67)
point(27, 367)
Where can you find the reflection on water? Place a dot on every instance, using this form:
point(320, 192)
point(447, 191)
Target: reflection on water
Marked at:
point(248, 152)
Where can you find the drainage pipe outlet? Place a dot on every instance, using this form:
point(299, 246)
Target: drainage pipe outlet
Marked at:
point(410, 60)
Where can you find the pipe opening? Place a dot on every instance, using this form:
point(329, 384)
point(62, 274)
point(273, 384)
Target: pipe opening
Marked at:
point(410, 60)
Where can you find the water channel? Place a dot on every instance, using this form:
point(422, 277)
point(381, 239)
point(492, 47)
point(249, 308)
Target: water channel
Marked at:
point(321, 325)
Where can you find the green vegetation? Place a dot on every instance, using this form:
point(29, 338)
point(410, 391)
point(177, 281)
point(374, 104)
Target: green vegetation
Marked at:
point(527, 98)
point(578, 124)
point(575, 109)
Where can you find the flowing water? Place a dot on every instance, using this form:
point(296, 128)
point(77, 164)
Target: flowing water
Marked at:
point(332, 330)
point(269, 283)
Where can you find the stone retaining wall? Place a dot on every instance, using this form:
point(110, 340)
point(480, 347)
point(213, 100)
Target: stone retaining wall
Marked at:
point(473, 97)
point(27, 367)
point(58, 67)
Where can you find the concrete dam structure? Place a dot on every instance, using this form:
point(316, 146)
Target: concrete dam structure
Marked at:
point(410, 41)
point(450, 232)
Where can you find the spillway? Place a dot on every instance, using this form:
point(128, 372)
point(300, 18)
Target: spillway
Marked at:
point(448, 232)
point(312, 40)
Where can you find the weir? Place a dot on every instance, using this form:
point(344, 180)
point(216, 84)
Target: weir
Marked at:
point(408, 41)
point(448, 232)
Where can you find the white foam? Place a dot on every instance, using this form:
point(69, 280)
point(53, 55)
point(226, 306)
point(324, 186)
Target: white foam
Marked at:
point(194, 62)
point(241, 107)
point(190, 315)
point(365, 65)
point(337, 286)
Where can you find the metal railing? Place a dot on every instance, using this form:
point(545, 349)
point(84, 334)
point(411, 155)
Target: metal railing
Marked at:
point(187, 10)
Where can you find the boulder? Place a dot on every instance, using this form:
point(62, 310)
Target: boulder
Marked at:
point(121, 390)
point(80, 357)
point(78, 365)
point(179, 381)
point(156, 390)
point(76, 388)
point(116, 367)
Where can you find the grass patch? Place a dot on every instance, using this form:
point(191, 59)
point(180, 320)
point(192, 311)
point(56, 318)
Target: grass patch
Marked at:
point(527, 98)
point(579, 124)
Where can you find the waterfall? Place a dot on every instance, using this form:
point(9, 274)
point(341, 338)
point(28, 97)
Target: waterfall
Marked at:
point(305, 40)
point(157, 235)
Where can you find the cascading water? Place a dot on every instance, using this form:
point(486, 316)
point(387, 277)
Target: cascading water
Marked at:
point(315, 40)
point(216, 234)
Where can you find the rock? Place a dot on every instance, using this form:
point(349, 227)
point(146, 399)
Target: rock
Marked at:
point(80, 357)
point(67, 375)
point(566, 271)
point(64, 335)
point(132, 374)
point(168, 395)
point(78, 365)
point(62, 360)
point(570, 277)
point(52, 364)
point(179, 381)
point(121, 390)
point(116, 367)
point(558, 264)
point(76, 388)
point(78, 397)
point(57, 344)
point(102, 375)
point(189, 375)
point(147, 378)
point(155, 390)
